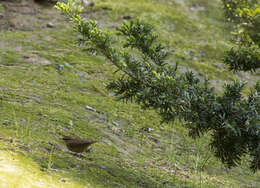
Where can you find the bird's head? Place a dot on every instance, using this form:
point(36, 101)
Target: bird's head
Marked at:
point(66, 138)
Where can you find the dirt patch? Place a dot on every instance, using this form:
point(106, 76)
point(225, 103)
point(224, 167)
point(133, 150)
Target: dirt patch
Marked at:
point(37, 60)
point(22, 15)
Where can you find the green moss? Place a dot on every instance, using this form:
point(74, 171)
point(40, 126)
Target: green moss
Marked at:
point(1, 8)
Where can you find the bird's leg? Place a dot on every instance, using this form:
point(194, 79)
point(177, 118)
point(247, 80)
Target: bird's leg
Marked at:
point(76, 154)
point(80, 155)
point(88, 150)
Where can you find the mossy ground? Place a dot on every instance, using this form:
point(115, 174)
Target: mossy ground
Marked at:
point(47, 85)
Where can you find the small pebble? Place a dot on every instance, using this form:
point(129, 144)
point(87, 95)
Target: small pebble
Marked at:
point(127, 17)
point(90, 108)
point(50, 25)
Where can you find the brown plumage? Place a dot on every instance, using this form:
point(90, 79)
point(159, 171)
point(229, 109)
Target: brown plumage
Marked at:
point(77, 145)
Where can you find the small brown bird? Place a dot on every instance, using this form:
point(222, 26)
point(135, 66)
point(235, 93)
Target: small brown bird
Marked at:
point(77, 145)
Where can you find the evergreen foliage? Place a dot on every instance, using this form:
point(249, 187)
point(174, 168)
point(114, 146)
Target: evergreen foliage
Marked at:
point(245, 55)
point(233, 121)
point(232, 7)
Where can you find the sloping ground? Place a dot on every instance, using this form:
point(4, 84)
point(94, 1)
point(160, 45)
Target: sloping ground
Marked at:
point(18, 171)
point(49, 88)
